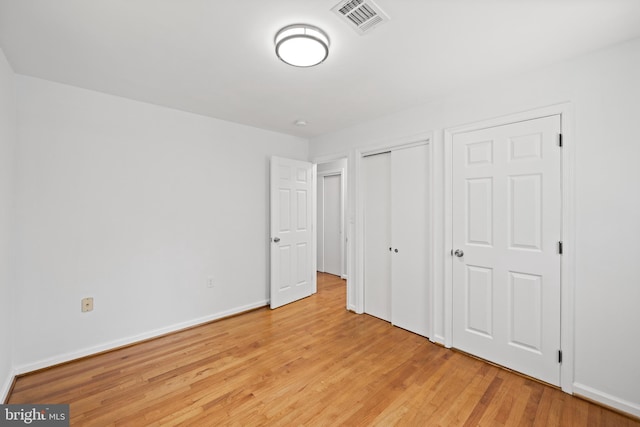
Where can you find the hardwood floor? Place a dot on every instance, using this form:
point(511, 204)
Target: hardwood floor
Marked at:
point(309, 363)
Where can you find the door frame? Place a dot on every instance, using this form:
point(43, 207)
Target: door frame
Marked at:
point(321, 176)
point(567, 262)
point(356, 289)
point(348, 197)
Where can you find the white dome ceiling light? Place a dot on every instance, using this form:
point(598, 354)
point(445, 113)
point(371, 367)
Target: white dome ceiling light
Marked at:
point(302, 45)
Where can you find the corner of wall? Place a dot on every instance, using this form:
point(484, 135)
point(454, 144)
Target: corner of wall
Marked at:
point(8, 141)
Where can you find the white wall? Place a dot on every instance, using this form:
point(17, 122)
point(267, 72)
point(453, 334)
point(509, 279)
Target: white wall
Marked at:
point(135, 205)
point(332, 165)
point(8, 136)
point(604, 90)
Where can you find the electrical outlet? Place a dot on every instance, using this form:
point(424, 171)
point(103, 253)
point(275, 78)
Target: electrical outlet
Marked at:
point(210, 282)
point(87, 304)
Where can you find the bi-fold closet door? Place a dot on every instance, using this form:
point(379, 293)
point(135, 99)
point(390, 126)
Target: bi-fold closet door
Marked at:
point(396, 237)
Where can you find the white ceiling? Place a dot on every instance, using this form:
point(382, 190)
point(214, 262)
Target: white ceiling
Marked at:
point(216, 58)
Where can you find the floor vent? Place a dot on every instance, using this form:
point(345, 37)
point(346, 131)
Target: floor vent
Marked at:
point(361, 15)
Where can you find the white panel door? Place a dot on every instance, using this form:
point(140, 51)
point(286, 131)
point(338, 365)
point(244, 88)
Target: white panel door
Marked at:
point(292, 263)
point(506, 227)
point(377, 235)
point(410, 263)
point(332, 227)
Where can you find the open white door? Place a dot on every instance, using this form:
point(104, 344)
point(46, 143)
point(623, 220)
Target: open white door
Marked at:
point(292, 227)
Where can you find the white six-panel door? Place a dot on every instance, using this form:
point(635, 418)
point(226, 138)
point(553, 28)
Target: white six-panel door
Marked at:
point(506, 227)
point(292, 216)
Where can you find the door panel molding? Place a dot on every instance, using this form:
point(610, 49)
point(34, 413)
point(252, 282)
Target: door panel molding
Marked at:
point(567, 262)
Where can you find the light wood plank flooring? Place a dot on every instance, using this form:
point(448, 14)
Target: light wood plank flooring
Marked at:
point(310, 363)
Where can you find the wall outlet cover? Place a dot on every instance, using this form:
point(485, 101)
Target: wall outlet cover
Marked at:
point(87, 304)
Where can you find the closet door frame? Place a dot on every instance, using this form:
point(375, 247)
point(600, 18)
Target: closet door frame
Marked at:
point(356, 283)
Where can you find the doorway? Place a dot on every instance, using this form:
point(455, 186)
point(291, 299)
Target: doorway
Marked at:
point(330, 224)
point(331, 218)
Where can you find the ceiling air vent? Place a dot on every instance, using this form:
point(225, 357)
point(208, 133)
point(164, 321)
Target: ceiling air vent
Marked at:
point(361, 15)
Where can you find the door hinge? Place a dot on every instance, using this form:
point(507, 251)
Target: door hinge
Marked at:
point(560, 140)
point(559, 356)
point(560, 248)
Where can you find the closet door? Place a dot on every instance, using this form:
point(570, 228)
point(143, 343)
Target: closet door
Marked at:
point(377, 235)
point(410, 259)
point(507, 221)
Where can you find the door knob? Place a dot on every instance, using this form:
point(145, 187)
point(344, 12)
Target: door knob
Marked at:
point(458, 253)
point(276, 239)
point(395, 250)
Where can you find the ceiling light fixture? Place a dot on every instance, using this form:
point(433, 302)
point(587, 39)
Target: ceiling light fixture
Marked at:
point(302, 45)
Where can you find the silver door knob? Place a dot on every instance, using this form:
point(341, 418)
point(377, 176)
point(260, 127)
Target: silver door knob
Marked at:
point(276, 239)
point(459, 253)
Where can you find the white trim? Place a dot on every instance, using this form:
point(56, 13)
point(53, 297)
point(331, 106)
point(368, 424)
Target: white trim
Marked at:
point(431, 227)
point(607, 399)
point(447, 295)
point(565, 111)
point(45, 363)
point(319, 223)
point(396, 143)
point(330, 158)
point(6, 386)
point(331, 172)
point(437, 258)
point(568, 262)
point(399, 146)
point(356, 285)
point(314, 228)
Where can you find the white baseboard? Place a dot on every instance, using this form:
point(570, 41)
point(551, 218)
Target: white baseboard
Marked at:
point(6, 387)
point(34, 366)
point(438, 339)
point(632, 408)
